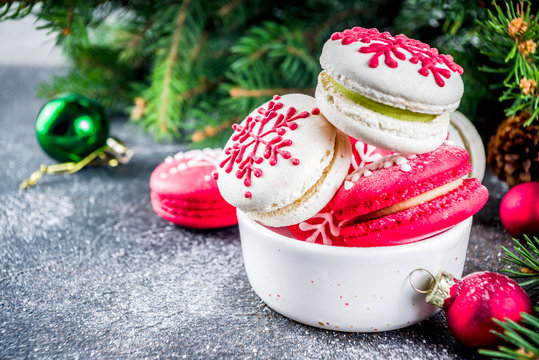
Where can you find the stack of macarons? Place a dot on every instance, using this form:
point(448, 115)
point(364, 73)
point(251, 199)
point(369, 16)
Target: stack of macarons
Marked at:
point(366, 162)
point(183, 191)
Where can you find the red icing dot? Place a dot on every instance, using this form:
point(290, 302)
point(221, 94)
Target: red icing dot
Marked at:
point(346, 304)
point(387, 46)
point(215, 175)
point(248, 194)
point(295, 162)
point(315, 111)
point(276, 97)
point(278, 295)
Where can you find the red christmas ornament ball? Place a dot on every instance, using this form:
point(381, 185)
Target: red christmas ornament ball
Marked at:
point(519, 210)
point(471, 303)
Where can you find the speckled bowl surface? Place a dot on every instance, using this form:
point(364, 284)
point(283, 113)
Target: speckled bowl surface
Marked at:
point(347, 289)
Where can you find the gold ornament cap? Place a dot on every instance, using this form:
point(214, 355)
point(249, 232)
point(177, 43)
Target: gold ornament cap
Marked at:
point(440, 289)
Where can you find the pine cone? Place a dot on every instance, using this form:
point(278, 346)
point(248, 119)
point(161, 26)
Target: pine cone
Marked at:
point(513, 152)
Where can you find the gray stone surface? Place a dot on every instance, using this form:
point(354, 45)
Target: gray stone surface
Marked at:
point(87, 269)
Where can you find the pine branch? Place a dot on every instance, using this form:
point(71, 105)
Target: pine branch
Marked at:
point(510, 38)
point(204, 87)
point(222, 59)
point(9, 10)
point(524, 338)
point(330, 22)
point(524, 264)
point(173, 77)
point(171, 61)
point(130, 49)
point(227, 8)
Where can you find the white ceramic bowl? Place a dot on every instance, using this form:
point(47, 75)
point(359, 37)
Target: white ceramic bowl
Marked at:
point(462, 132)
point(347, 289)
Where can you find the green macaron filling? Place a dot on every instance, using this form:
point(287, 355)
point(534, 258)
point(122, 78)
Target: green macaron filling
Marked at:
point(383, 109)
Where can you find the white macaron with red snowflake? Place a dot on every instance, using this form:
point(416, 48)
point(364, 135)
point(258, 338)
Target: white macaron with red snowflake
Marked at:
point(284, 162)
point(392, 92)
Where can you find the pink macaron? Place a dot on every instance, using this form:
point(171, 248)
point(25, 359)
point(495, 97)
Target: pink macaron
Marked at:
point(184, 191)
point(405, 198)
point(323, 228)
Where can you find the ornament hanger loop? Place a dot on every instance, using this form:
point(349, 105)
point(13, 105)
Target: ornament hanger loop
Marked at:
point(432, 279)
point(112, 154)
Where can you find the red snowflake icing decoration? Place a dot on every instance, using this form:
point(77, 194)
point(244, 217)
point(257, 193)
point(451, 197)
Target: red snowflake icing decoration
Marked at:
point(389, 46)
point(247, 139)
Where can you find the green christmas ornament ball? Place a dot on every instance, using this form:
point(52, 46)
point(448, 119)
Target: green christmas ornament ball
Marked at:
point(71, 126)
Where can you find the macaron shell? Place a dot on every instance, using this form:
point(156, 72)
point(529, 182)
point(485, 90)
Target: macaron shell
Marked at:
point(376, 129)
point(249, 180)
point(183, 191)
point(188, 174)
point(316, 197)
point(323, 228)
point(402, 86)
point(410, 225)
point(197, 215)
point(395, 183)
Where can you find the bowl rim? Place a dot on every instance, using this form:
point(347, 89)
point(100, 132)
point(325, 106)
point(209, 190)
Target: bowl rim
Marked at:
point(298, 245)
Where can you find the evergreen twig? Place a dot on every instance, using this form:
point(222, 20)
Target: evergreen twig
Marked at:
point(524, 338)
point(510, 38)
point(524, 263)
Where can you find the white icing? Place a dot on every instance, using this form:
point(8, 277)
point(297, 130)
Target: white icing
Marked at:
point(449, 143)
point(321, 229)
point(193, 158)
point(383, 163)
point(401, 160)
point(283, 183)
point(196, 158)
point(406, 167)
point(390, 86)
point(365, 156)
